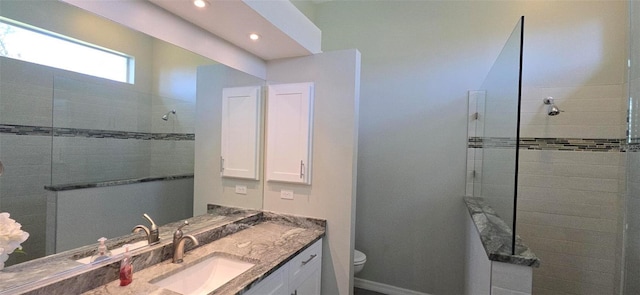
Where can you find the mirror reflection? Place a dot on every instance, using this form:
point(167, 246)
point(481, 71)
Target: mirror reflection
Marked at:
point(86, 157)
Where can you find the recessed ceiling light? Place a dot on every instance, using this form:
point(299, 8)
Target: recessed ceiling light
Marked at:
point(254, 36)
point(199, 3)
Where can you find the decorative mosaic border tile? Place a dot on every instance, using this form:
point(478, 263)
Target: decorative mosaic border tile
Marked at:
point(91, 133)
point(632, 147)
point(25, 130)
point(557, 144)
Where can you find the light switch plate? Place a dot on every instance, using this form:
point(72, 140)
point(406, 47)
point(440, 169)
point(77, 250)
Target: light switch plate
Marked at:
point(286, 194)
point(241, 189)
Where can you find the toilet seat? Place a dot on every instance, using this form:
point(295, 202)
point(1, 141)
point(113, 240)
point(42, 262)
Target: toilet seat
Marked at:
point(359, 257)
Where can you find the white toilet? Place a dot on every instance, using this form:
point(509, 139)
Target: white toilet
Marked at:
point(359, 259)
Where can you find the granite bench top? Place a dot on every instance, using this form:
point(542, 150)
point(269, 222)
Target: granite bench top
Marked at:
point(496, 235)
point(74, 186)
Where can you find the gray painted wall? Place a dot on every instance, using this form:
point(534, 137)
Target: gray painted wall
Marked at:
point(332, 192)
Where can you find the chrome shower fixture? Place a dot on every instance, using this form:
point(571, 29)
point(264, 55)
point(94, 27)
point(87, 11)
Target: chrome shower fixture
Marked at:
point(553, 110)
point(166, 116)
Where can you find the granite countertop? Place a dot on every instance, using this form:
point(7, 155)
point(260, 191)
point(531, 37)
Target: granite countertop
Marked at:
point(496, 235)
point(269, 244)
point(54, 269)
point(61, 273)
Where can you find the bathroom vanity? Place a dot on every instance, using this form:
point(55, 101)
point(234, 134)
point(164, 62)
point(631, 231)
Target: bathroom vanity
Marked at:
point(282, 253)
point(275, 250)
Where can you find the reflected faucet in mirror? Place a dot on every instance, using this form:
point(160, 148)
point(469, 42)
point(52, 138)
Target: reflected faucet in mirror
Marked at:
point(178, 243)
point(153, 234)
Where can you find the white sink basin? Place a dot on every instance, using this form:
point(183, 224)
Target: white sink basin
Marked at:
point(118, 251)
point(205, 276)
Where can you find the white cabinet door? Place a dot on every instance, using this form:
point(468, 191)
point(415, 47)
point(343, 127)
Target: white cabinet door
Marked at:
point(310, 286)
point(240, 156)
point(305, 271)
point(289, 132)
point(301, 275)
point(275, 284)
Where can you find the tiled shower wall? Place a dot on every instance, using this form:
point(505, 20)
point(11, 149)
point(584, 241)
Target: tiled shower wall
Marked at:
point(133, 150)
point(570, 202)
point(570, 196)
point(632, 255)
point(25, 99)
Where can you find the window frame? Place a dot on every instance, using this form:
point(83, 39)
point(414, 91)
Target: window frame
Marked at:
point(130, 60)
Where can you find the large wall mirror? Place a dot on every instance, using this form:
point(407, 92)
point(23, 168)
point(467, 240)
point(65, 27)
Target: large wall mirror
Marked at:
point(61, 128)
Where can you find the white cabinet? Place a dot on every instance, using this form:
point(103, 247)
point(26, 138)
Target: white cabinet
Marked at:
point(241, 119)
point(300, 276)
point(304, 271)
point(289, 132)
point(274, 284)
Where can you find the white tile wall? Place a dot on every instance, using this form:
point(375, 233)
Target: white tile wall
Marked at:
point(90, 103)
point(498, 181)
point(568, 213)
point(171, 157)
point(590, 111)
point(569, 202)
point(26, 94)
point(81, 217)
point(632, 251)
point(80, 159)
point(183, 121)
point(27, 170)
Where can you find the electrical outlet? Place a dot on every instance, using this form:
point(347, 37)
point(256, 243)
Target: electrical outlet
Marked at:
point(285, 194)
point(241, 189)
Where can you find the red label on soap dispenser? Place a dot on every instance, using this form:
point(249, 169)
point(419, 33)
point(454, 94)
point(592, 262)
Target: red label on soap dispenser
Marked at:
point(126, 274)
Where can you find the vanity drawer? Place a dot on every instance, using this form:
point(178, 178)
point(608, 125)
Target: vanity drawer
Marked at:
point(305, 263)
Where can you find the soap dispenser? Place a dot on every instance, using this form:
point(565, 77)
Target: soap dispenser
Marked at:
point(103, 253)
point(126, 268)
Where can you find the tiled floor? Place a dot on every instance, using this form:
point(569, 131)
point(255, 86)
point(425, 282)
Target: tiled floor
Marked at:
point(357, 291)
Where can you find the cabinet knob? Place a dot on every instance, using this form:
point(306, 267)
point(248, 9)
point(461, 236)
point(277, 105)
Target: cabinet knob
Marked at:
point(301, 169)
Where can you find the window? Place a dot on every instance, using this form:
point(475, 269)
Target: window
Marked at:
point(35, 45)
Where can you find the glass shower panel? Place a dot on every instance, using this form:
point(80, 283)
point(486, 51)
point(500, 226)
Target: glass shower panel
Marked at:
point(631, 285)
point(498, 116)
point(25, 149)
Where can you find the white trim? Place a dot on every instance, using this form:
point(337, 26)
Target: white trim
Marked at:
point(383, 288)
point(295, 25)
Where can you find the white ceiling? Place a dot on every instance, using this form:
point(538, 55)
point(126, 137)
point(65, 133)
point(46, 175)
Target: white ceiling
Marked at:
point(234, 20)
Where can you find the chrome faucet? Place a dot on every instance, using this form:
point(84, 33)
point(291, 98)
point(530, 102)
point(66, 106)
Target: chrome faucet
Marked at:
point(178, 243)
point(153, 234)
